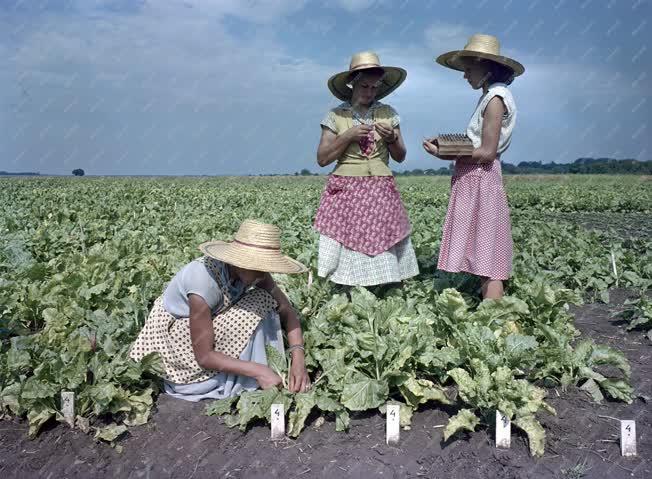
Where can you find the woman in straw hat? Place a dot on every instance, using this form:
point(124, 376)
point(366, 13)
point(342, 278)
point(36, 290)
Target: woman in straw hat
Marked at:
point(211, 325)
point(364, 228)
point(477, 234)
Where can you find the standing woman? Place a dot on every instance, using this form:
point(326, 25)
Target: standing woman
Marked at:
point(364, 228)
point(477, 235)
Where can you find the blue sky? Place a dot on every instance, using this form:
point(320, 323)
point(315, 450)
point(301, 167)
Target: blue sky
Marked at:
point(239, 87)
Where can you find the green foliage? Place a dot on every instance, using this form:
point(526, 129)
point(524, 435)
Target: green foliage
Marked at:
point(82, 262)
point(638, 314)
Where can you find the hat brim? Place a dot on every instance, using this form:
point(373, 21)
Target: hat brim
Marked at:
point(392, 79)
point(454, 60)
point(256, 259)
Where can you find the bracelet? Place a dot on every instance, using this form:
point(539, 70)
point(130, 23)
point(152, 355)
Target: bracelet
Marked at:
point(296, 346)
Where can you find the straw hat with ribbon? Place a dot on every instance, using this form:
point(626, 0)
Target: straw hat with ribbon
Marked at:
point(256, 246)
point(339, 84)
point(479, 46)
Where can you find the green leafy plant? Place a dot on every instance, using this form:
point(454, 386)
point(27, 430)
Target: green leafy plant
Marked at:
point(638, 314)
point(82, 262)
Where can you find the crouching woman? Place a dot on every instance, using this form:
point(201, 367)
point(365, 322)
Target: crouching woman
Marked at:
point(217, 315)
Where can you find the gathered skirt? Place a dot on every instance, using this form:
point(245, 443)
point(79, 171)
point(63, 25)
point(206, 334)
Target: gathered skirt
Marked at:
point(352, 268)
point(477, 234)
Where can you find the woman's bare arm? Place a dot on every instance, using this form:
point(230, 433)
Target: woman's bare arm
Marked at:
point(397, 149)
point(488, 149)
point(299, 379)
point(203, 345)
point(331, 146)
point(288, 315)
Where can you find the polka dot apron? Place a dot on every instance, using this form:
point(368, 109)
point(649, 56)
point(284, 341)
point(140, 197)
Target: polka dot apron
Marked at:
point(233, 326)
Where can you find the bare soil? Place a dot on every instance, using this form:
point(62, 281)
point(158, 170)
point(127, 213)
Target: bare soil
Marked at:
point(180, 442)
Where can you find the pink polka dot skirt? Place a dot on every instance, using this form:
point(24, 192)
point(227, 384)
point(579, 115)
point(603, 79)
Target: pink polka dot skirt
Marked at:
point(477, 235)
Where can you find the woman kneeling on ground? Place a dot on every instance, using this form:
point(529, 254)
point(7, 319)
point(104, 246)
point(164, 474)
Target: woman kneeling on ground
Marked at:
point(216, 316)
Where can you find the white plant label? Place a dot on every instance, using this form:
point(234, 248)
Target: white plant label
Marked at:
point(68, 407)
point(628, 438)
point(309, 278)
point(393, 432)
point(278, 422)
point(503, 430)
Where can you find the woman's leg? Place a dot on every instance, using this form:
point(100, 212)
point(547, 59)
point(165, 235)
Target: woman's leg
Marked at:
point(492, 288)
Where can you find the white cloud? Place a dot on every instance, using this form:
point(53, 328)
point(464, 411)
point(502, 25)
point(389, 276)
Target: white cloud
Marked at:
point(190, 53)
point(170, 89)
point(442, 37)
point(147, 89)
point(354, 6)
point(257, 11)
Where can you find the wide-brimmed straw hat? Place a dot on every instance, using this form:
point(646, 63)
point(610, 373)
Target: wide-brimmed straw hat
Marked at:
point(338, 84)
point(479, 46)
point(256, 246)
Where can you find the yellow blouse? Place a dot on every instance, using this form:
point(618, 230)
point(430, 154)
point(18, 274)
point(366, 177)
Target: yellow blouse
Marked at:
point(353, 162)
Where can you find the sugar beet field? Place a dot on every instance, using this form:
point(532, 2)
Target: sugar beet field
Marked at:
point(565, 355)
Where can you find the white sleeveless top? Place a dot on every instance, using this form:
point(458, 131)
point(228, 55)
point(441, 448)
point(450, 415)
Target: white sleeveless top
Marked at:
point(474, 130)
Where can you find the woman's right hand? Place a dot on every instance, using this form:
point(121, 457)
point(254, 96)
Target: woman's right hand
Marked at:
point(358, 132)
point(267, 378)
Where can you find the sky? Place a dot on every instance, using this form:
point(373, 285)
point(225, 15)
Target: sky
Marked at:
point(224, 87)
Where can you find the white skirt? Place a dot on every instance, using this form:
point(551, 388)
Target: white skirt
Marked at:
point(352, 268)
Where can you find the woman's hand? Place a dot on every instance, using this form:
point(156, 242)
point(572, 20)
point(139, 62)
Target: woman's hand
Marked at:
point(431, 147)
point(386, 132)
point(267, 378)
point(299, 379)
point(358, 133)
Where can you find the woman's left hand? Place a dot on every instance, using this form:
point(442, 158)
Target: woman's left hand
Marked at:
point(386, 132)
point(299, 379)
point(431, 147)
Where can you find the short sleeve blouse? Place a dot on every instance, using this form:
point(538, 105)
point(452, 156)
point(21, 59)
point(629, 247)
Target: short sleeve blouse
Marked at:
point(196, 278)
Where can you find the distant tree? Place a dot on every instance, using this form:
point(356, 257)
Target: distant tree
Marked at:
point(20, 173)
point(78, 172)
point(579, 166)
point(595, 166)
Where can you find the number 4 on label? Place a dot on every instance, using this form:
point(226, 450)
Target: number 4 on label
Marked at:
point(278, 422)
point(393, 432)
point(628, 438)
point(68, 407)
point(503, 430)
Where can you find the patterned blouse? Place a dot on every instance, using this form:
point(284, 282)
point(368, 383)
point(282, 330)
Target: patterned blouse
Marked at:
point(367, 119)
